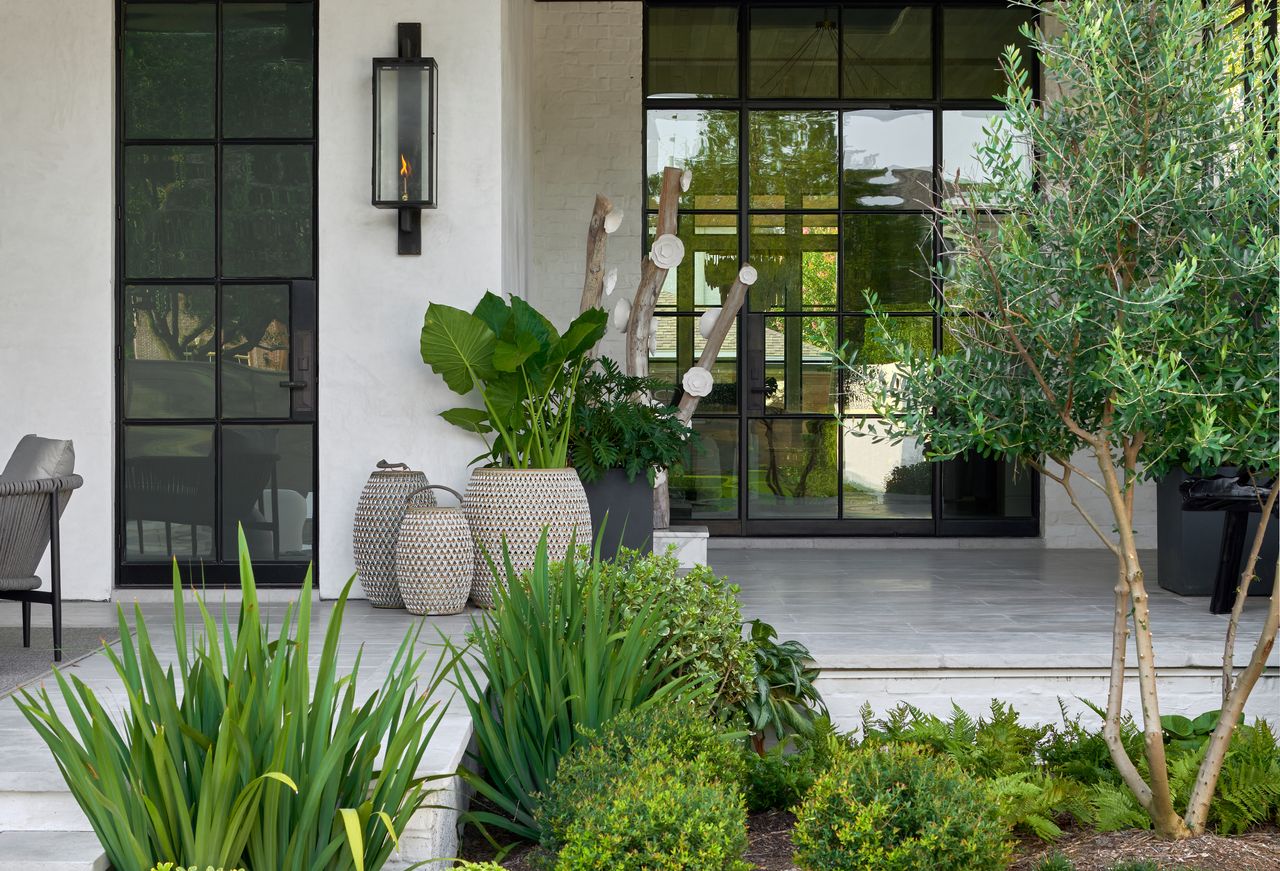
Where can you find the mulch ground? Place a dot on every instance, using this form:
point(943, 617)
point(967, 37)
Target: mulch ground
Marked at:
point(1258, 850)
point(770, 849)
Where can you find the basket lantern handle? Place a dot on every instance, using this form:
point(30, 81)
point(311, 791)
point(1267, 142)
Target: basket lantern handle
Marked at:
point(423, 489)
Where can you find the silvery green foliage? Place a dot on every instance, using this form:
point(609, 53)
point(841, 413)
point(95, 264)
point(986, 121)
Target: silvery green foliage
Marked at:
point(1129, 292)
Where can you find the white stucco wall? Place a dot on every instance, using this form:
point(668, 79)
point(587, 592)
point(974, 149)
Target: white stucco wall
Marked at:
point(377, 399)
point(1065, 528)
point(587, 140)
point(56, 238)
point(517, 146)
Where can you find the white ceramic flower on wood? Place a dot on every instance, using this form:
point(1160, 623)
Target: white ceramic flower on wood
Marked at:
point(686, 180)
point(653, 335)
point(707, 322)
point(667, 251)
point(659, 477)
point(610, 281)
point(613, 221)
point(698, 381)
point(621, 314)
point(748, 275)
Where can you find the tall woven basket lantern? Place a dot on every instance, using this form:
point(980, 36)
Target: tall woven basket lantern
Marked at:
point(389, 492)
point(514, 506)
point(435, 558)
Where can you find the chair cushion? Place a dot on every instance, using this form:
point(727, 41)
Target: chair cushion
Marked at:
point(35, 458)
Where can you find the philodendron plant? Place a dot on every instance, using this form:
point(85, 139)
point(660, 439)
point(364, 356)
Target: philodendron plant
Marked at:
point(525, 372)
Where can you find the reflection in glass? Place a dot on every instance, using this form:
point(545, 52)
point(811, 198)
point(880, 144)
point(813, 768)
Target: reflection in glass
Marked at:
point(883, 480)
point(168, 211)
point(266, 474)
point(693, 51)
point(167, 486)
point(973, 40)
point(167, 70)
point(266, 210)
point(795, 257)
point(678, 346)
point(887, 52)
point(794, 51)
point(974, 486)
point(799, 372)
point(267, 69)
point(964, 131)
point(873, 358)
point(703, 278)
point(888, 159)
point(889, 255)
point(255, 350)
point(792, 468)
point(794, 160)
point(168, 352)
point(707, 487)
point(703, 142)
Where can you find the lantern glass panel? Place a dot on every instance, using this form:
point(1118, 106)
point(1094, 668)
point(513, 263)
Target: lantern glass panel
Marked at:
point(405, 159)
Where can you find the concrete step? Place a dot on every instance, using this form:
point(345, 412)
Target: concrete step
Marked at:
point(51, 851)
point(36, 809)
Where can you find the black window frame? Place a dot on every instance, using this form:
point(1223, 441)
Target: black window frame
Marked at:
point(938, 525)
point(304, 310)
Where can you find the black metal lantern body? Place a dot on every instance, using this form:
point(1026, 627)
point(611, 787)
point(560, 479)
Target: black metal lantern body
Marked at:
point(404, 133)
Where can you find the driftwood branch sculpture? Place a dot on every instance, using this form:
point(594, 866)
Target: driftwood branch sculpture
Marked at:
point(636, 315)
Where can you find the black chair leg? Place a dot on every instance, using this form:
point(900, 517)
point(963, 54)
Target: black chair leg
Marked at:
point(26, 624)
point(55, 575)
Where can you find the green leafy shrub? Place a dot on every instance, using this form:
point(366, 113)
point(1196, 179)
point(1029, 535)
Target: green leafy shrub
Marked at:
point(985, 747)
point(1079, 753)
point(1055, 862)
point(235, 756)
point(701, 619)
point(169, 866)
point(613, 430)
point(681, 734)
point(784, 700)
point(525, 372)
point(660, 815)
point(911, 479)
point(779, 780)
point(562, 652)
point(898, 808)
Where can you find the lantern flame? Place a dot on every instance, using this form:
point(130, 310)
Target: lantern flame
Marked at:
point(406, 170)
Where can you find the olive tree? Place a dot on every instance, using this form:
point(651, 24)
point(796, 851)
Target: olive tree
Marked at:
point(1110, 294)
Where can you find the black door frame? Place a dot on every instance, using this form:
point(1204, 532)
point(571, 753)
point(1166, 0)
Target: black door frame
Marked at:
point(937, 525)
point(303, 312)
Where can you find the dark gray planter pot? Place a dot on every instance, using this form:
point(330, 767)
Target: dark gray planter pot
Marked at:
point(629, 509)
point(1187, 544)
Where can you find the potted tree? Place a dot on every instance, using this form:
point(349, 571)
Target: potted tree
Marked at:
point(620, 442)
point(526, 375)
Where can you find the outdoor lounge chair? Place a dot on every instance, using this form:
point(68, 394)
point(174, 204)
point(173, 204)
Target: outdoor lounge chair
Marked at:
point(35, 487)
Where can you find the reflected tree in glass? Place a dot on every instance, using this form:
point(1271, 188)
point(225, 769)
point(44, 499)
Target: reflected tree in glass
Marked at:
point(794, 160)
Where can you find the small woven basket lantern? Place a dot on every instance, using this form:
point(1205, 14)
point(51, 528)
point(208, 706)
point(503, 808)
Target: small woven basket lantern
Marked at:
point(391, 489)
point(435, 558)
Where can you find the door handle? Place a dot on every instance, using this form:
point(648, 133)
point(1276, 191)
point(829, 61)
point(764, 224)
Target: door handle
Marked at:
point(294, 385)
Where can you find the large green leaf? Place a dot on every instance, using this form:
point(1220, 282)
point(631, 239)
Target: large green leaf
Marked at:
point(510, 356)
point(458, 347)
point(471, 419)
point(494, 312)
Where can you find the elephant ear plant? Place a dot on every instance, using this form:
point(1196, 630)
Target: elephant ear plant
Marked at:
point(524, 370)
point(234, 757)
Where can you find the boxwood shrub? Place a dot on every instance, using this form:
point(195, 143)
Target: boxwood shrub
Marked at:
point(659, 815)
point(679, 734)
point(897, 808)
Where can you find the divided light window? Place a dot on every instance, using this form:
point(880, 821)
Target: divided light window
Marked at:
point(818, 136)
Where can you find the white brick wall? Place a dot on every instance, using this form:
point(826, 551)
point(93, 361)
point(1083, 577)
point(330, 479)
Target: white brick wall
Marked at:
point(1065, 528)
point(587, 140)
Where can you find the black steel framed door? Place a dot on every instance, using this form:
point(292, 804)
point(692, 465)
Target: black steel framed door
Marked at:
point(819, 135)
point(216, 288)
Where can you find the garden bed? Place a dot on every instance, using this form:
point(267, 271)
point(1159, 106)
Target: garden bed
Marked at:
point(770, 849)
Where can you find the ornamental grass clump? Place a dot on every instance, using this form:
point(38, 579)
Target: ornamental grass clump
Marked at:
point(898, 808)
point(234, 756)
point(560, 654)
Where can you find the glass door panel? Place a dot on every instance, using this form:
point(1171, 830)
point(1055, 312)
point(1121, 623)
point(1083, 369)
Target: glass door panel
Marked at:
point(217, 307)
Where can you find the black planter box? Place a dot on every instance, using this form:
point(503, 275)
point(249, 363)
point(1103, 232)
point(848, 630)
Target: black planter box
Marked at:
point(623, 510)
point(1187, 544)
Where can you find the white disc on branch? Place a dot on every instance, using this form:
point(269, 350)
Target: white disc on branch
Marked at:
point(613, 221)
point(707, 322)
point(621, 314)
point(667, 251)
